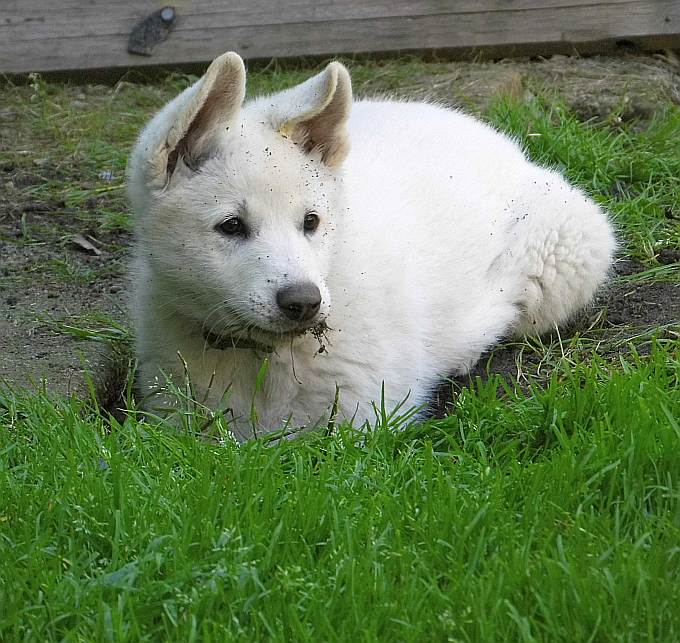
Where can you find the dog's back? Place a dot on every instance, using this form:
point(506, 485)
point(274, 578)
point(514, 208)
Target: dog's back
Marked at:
point(461, 239)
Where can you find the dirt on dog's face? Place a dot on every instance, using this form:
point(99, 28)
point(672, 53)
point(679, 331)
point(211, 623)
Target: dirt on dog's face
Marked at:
point(245, 239)
point(237, 204)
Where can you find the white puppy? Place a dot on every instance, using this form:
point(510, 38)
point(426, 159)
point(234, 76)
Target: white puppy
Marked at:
point(301, 242)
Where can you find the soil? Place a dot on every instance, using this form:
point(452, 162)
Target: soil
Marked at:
point(46, 279)
point(631, 87)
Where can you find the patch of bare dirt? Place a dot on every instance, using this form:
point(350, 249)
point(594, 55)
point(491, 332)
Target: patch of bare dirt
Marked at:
point(45, 280)
point(633, 87)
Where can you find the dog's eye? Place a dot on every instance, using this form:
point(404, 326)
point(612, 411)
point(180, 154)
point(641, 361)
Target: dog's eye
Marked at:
point(311, 222)
point(232, 226)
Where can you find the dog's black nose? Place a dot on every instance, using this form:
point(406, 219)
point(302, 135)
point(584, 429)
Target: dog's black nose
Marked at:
point(299, 302)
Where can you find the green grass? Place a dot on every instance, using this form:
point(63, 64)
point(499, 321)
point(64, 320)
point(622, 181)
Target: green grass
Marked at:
point(539, 512)
point(554, 516)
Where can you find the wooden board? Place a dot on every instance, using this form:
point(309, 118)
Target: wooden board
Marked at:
point(54, 35)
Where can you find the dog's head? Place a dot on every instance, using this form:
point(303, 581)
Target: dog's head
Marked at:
point(236, 204)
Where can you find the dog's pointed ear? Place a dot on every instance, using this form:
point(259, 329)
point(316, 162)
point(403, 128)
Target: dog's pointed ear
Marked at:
point(186, 129)
point(314, 114)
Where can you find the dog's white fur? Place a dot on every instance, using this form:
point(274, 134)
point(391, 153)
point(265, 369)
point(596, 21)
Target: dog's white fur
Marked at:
point(437, 238)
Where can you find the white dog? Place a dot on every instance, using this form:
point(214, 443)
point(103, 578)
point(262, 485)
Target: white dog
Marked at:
point(303, 252)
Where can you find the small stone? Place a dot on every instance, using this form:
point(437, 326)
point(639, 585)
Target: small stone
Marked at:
point(667, 256)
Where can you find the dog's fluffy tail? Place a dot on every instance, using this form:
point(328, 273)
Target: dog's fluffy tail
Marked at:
point(562, 247)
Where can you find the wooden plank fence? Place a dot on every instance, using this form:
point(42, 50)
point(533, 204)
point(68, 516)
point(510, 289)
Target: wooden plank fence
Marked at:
point(56, 35)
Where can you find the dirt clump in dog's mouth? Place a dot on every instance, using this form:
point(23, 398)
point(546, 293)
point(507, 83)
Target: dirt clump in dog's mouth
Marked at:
point(318, 331)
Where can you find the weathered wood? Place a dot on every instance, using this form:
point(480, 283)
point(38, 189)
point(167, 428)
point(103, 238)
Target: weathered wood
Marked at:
point(44, 35)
